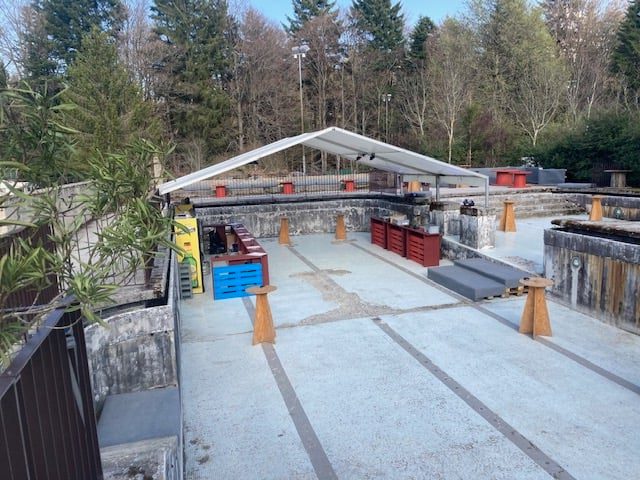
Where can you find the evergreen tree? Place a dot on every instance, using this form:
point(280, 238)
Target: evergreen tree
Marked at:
point(195, 68)
point(305, 10)
point(57, 29)
point(419, 36)
point(626, 56)
point(380, 23)
point(109, 112)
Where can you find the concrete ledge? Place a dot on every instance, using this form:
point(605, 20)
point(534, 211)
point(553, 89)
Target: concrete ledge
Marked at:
point(132, 417)
point(157, 459)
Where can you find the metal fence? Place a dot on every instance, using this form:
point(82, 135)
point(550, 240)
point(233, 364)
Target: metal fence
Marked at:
point(30, 296)
point(47, 421)
point(348, 183)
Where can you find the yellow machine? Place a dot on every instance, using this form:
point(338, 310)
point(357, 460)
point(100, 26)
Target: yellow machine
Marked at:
point(189, 241)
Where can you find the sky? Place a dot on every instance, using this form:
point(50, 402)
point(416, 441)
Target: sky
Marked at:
point(437, 10)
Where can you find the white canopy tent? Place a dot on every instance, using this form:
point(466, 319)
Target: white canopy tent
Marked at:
point(351, 146)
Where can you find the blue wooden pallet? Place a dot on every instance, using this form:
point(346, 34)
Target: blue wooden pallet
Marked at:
point(232, 281)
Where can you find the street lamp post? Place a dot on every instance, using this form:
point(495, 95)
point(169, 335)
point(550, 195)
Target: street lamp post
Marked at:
point(300, 52)
point(386, 98)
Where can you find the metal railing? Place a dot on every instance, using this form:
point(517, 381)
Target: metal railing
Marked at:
point(332, 184)
point(30, 296)
point(47, 421)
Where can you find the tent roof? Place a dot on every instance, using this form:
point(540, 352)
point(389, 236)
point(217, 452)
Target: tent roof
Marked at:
point(337, 141)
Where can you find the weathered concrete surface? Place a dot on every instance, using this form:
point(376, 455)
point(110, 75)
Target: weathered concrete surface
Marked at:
point(376, 410)
point(618, 229)
point(477, 227)
point(447, 216)
point(625, 208)
point(531, 202)
point(452, 249)
point(157, 459)
point(135, 350)
point(304, 217)
point(597, 274)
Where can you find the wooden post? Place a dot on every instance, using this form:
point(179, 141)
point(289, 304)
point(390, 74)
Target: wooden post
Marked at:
point(263, 330)
point(535, 316)
point(284, 231)
point(596, 208)
point(341, 231)
point(414, 186)
point(508, 220)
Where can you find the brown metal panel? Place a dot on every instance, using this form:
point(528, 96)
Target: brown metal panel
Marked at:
point(52, 364)
point(13, 459)
point(91, 432)
point(67, 406)
point(42, 432)
point(31, 415)
point(26, 297)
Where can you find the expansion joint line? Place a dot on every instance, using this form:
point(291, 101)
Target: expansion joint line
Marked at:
point(545, 462)
point(562, 351)
point(318, 457)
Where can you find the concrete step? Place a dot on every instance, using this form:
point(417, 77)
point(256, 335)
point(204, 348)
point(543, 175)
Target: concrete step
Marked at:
point(466, 282)
point(508, 276)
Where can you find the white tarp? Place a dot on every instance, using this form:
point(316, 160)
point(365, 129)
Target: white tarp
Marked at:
point(349, 145)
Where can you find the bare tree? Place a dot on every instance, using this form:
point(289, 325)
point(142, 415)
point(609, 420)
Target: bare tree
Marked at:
point(413, 93)
point(585, 35)
point(13, 17)
point(322, 35)
point(263, 103)
point(536, 97)
point(451, 70)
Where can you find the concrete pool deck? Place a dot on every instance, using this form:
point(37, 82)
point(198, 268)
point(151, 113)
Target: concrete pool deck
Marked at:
point(379, 373)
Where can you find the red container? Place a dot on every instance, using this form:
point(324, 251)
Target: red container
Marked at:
point(221, 191)
point(287, 188)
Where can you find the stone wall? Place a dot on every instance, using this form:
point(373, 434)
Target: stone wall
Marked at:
point(305, 217)
point(597, 275)
point(623, 208)
point(447, 216)
point(477, 227)
point(134, 350)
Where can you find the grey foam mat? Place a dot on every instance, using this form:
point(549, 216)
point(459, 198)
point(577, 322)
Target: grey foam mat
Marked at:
point(132, 417)
point(504, 274)
point(466, 282)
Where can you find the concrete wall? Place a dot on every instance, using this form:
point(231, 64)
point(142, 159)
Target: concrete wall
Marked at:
point(135, 350)
point(628, 207)
point(447, 216)
point(477, 227)
point(157, 459)
point(606, 282)
point(305, 217)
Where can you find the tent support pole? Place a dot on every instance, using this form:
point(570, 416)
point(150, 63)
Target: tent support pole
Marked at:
point(486, 192)
point(437, 188)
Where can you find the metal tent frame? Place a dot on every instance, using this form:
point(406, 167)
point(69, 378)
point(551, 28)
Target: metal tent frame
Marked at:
point(352, 146)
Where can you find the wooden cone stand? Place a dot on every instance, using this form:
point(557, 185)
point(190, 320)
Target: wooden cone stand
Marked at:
point(341, 231)
point(284, 231)
point(535, 316)
point(263, 330)
point(508, 220)
point(596, 208)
